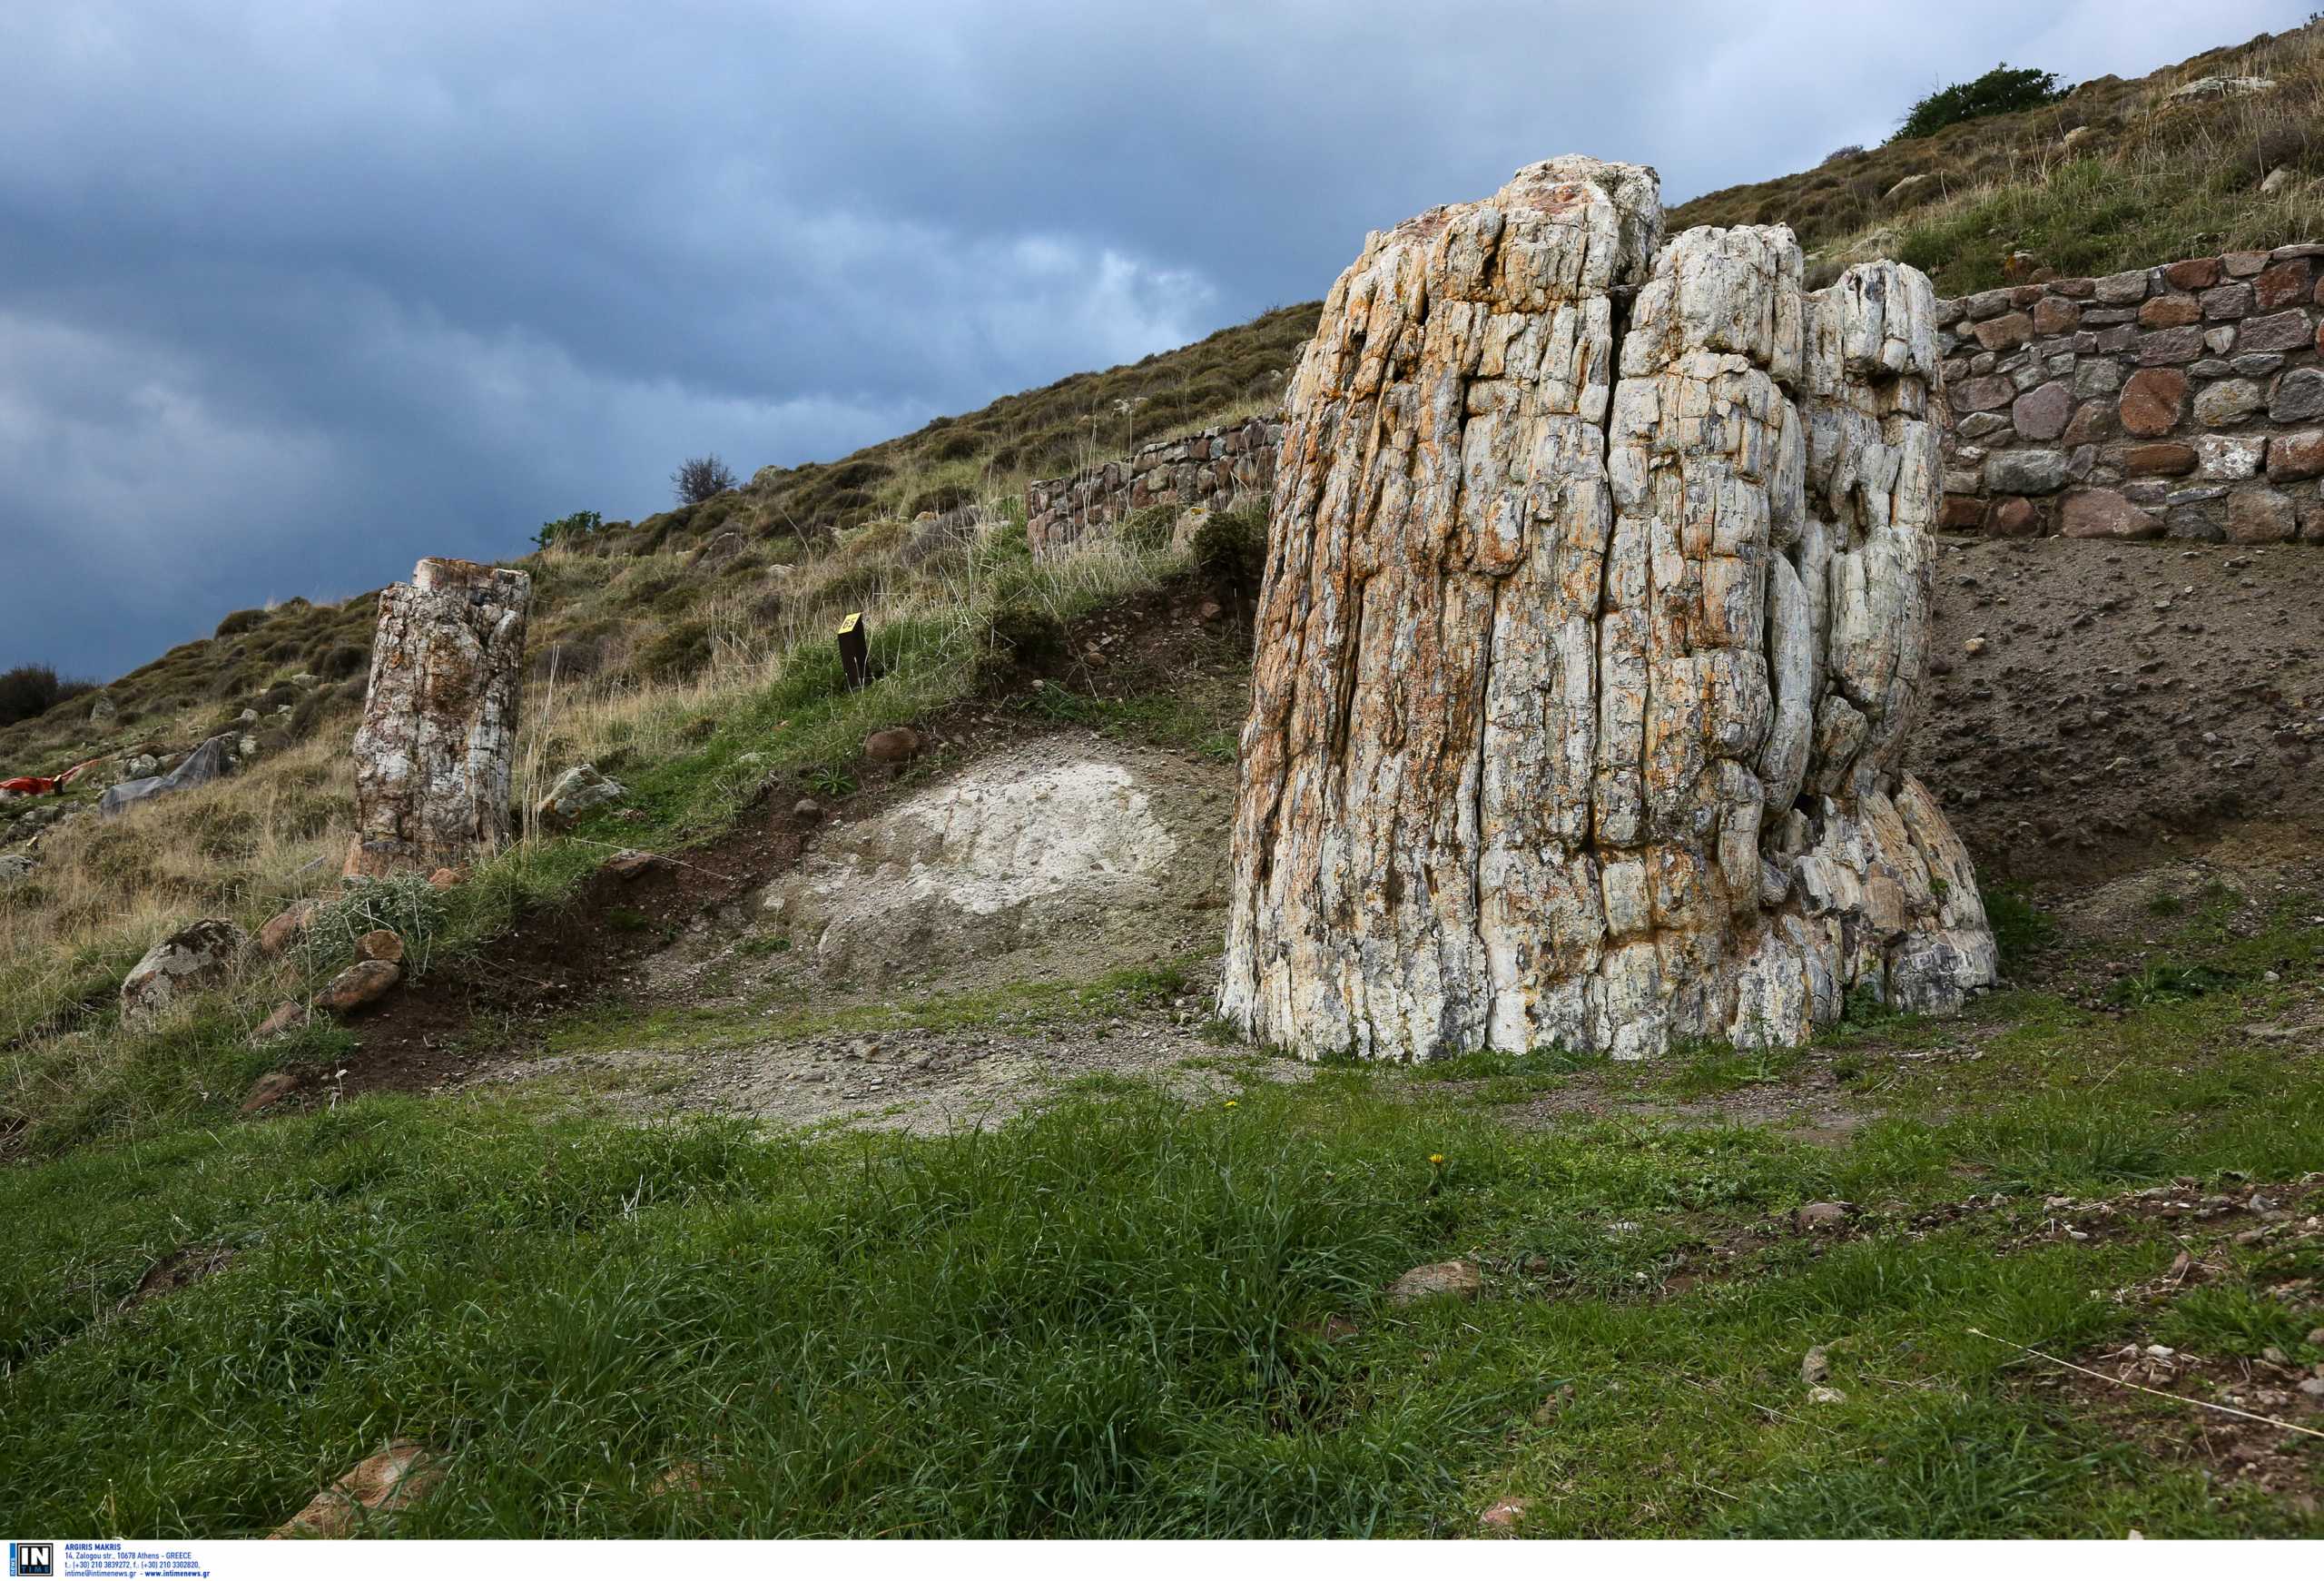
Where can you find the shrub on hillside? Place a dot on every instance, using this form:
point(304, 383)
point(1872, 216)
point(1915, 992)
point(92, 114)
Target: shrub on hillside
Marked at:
point(31, 690)
point(1232, 545)
point(701, 477)
point(239, 621)
point(1997, 92)
point(569, 529)
point(1021, 630)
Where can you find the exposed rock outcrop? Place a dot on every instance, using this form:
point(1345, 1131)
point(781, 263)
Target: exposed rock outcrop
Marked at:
point(1586, 648)
point(434, 753)
point(197, 956)
point(1089, 850)
point(360, 985)
point(577, 793)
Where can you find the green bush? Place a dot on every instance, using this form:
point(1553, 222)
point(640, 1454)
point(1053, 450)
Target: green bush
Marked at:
point(567, 530)
point(1024, 632)
point(1232, 545)
point(1999, 92)
point(31, 690)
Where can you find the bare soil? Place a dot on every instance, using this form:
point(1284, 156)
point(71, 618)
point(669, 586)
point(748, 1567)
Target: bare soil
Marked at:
point(2099, 709)
point(470, 1018)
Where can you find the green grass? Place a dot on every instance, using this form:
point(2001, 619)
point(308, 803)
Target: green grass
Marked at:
point(1107, 1317)
point(2094, 216)
point(1203, 719)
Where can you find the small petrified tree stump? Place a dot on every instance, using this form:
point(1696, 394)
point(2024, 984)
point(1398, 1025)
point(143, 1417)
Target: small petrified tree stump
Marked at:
point(1595, 611)
point(434, 752)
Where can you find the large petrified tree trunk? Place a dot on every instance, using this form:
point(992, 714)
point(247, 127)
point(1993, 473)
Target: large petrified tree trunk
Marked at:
point(434, 753)
point(1587, 647)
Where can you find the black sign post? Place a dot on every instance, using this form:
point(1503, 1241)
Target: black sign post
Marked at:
point(855, 651)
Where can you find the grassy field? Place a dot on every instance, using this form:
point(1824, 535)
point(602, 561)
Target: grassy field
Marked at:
point(1124, 1315)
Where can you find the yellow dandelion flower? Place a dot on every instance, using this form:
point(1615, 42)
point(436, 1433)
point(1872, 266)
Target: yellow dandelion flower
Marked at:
point(1230, 1103)
point(1436, 1158)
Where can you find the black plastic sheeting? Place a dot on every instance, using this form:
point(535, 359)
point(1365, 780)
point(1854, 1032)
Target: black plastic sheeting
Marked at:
point(213, 759)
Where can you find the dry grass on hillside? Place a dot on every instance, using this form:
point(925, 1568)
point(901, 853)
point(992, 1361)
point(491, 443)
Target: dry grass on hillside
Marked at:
point(242, 848)
point(1041, 433)
point(2146, 179)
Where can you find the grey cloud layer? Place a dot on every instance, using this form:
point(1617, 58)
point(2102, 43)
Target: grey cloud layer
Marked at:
point(290, 295)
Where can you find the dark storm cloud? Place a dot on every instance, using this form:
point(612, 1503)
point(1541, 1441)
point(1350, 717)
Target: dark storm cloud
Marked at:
point(290, 294)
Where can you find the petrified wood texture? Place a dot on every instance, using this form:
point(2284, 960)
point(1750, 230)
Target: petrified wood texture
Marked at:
point(435, 751)
point(1587, 647)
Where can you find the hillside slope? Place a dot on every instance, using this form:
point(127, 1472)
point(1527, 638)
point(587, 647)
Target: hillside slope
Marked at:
point(2118, 173)
point(608, 621)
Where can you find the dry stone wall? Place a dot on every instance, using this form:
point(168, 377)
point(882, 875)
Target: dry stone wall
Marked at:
point(1220, 467)
point(2183, 401)
point(1596, 614)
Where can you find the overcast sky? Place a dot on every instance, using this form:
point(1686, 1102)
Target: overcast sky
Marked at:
point(294, 292)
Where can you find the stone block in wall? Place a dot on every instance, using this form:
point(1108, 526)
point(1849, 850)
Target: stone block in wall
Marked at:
point(2103, 513)
point(2153, 400)
point(2296, 455)
point(2041, 413)
point(2261, 515)
point(2197, 522)
point(2242, 265)
point(2054, 315)
point(1961, 513)
point(2281, 284)
point(2096, 376)
point(2164, 347)
point(2092, 420)
point(1983, 394)
point(2232, 300)
point(2041, 472)
point(2191, 273)
point(2231, 401)
point(2298, 396)
point(2002, 333)
point(2129, 286)
point(2229, 457)
point(2282, 331)
point(2164, 459)
point(2014, 516)
point(2168, 313)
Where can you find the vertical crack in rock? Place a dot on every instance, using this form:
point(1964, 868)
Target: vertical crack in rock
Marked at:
point(1595, 615)
point(437, 747)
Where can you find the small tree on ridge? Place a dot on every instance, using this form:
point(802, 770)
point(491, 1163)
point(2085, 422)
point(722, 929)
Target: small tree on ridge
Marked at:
point(701, 477)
